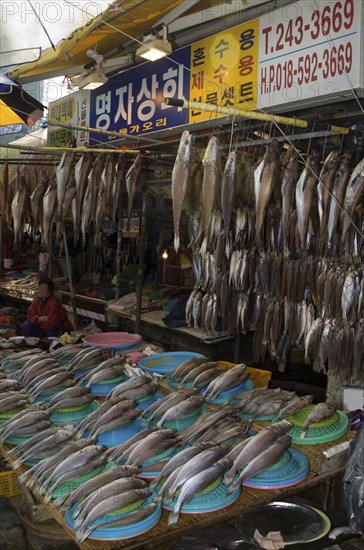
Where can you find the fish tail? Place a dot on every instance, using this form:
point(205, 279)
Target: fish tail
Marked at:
point(167, 498)
point(17, 463)
point(82, 535)
point(61, 502)
point(232, 488)
point(173, 518)
point(228, 479)
point(176, 242)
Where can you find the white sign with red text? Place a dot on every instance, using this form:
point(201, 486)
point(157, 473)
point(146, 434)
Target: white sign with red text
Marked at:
point(309, 50)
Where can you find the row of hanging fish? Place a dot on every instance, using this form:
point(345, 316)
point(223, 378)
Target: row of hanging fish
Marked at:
point(306, 207)
point(89, 187)
point(257, 231)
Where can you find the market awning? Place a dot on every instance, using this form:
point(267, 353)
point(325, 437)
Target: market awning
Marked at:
point(102, 33)
point(34, 139)
point(16, 105)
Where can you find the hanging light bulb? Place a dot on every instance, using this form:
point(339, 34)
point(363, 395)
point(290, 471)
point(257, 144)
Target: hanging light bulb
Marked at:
point(165, 255)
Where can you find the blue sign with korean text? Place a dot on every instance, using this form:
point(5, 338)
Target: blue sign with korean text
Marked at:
point(132, 101)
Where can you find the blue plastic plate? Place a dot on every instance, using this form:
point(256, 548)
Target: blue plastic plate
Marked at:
point(119, 533)
point(164, 363)
point(61, 418)
point(291, 473)
point(228, 395)
point(119, 436)
point(202, 503)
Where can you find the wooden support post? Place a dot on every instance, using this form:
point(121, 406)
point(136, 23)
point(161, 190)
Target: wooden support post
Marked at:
point(142, 239)
point(69, 274)
point(118, 249)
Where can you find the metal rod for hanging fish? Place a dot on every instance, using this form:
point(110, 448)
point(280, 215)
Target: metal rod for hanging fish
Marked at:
point(123, 136)
point(253, 115)
point(118, 248)
point(142, 239)
point(1, 244)
point(69, 273)
point(50, 254)
point(60, 150)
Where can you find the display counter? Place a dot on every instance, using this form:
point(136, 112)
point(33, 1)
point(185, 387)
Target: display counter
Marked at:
point(152, 327)
point(321, 473)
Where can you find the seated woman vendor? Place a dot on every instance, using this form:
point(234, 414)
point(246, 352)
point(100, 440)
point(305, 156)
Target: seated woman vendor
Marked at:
point(46, 316)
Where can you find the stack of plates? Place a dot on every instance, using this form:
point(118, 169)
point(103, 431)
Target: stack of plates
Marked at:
point(165, 363)
point(290, 469)
point(120, 435)
point(119, 533)
point(215, 497)
point(321, 432)
point(113, 340)
point(73, 415)
point(228, 395)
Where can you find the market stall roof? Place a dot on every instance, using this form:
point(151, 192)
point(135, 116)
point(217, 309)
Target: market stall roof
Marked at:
point(34, 139)
point(114, 32)
point(103, 33)
point(16, 105)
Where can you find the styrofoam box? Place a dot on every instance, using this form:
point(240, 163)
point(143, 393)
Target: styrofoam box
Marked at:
point(354, 397)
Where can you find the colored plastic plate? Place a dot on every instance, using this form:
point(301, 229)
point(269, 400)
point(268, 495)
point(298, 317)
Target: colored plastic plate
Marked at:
point(105, 387)
point(72, 484)
point(118, 436)
point(297, 523)
point(102, 532)
point(117, 340)
point(62, 417)
point(321, 432)
point(282, 474)
point(204, 502)
point(164, 363)
point(179, 423)
point(225, 396)
point(143, 404)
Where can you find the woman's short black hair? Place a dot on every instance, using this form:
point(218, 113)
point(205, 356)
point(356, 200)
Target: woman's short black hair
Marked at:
point(47, 281)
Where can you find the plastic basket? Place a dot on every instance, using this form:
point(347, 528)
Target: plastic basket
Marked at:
point(259, 377)
point(9, 484)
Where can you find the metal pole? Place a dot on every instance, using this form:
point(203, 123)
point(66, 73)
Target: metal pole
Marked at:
point(253, 115)
point(103, 132)
point(142, 239)
point(50, 252)
point(69, 273)
point(1, 245)
point(118, 249)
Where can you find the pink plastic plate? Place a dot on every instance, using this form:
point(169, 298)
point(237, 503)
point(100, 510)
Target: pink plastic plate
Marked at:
point(120, 340)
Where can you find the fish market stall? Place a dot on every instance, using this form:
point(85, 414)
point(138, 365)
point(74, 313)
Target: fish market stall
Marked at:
point(205, 427)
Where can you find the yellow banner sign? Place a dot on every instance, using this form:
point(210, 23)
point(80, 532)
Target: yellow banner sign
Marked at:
point(224, 69)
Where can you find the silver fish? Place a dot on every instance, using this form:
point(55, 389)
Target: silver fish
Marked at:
point(132, 178)
point(70, 464)
point(255, 446)
point(179, 460)
point(263, 460)
point(196, 484)
point(48, 441)
point(211, 180)
point(109, 489)
point(106, 506)
point(93, 484)
point(184, 407)
point(36, 201)
point(195, 465)
point(319, 413)
point(181, 175)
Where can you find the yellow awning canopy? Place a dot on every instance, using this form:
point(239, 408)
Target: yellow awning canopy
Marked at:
point(102, 33)
point(8, 116)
